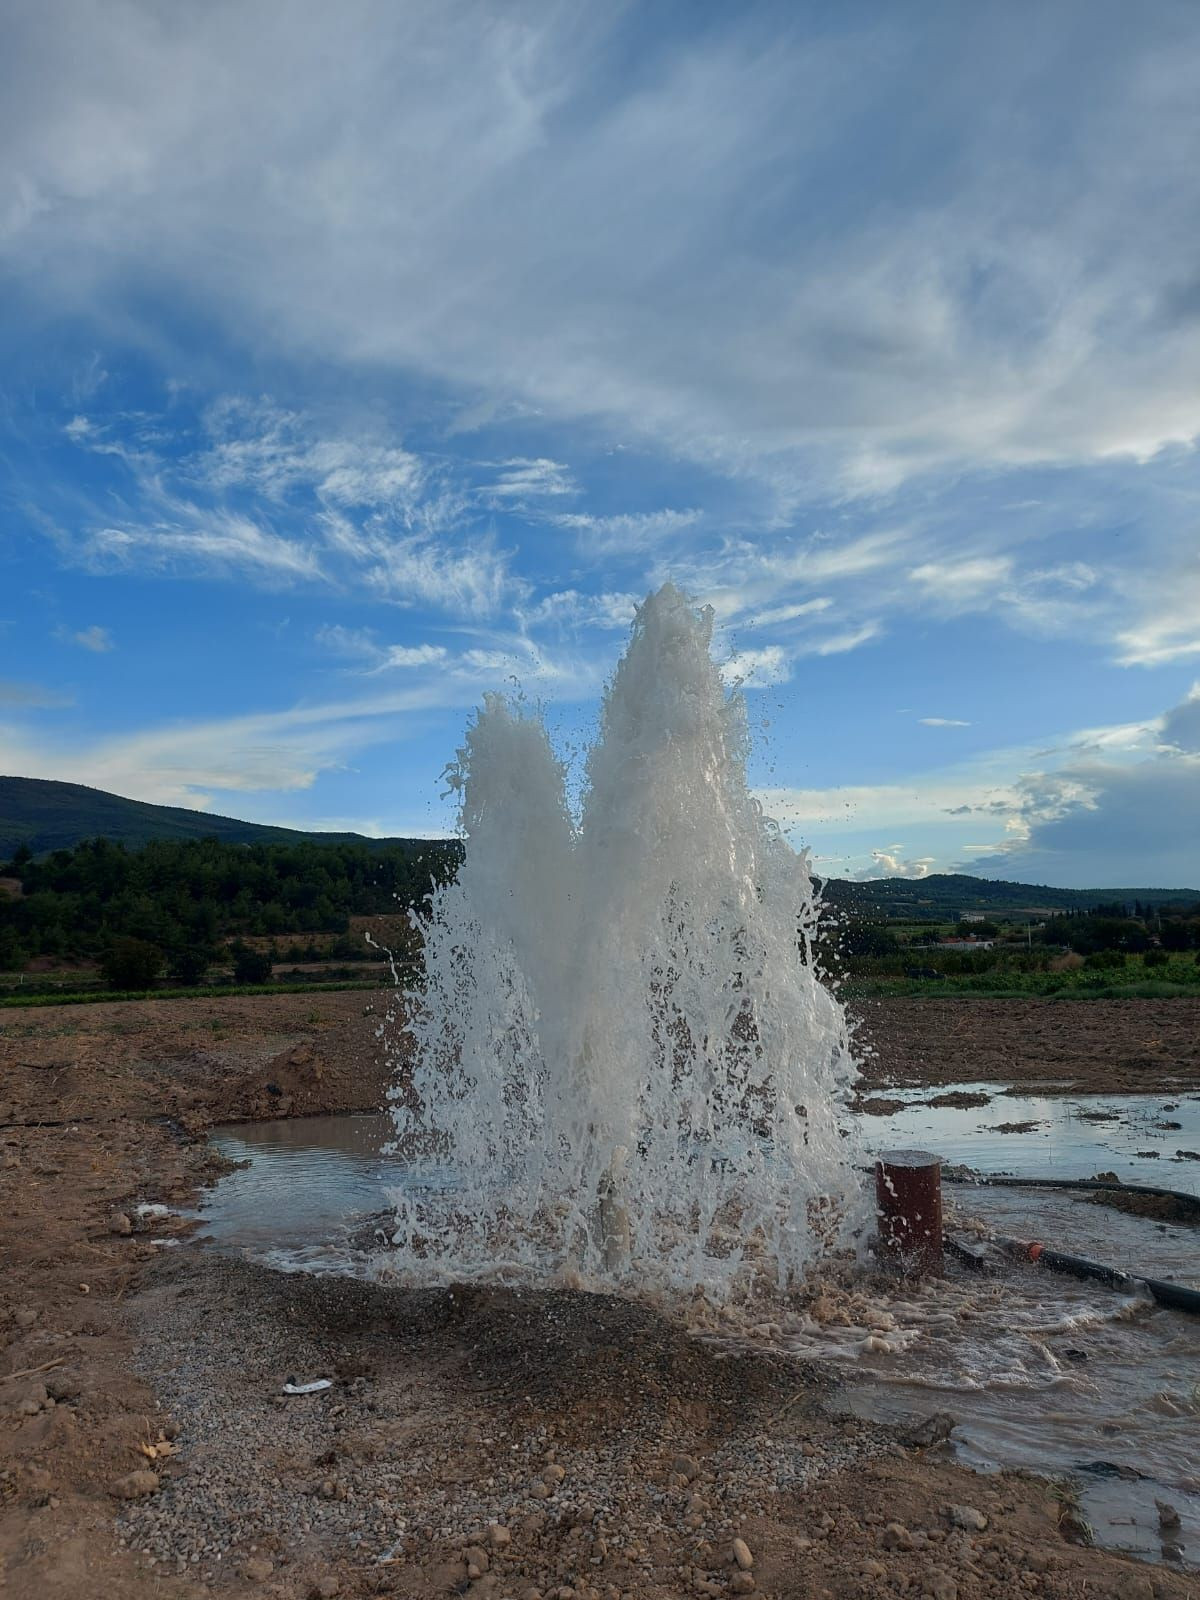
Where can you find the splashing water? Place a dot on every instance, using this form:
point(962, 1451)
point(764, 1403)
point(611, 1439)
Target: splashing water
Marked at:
point(624, 1067)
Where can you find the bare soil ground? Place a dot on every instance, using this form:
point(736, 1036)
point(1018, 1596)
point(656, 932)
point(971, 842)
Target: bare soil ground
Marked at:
point(1077, 1046)
point(145, 1448)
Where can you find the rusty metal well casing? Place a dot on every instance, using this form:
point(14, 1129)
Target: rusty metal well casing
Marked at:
point(908, 1197)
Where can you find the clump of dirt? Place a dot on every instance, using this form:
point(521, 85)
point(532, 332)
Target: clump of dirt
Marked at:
point(1016, 1127)
point(1158, 1207)
point(877, 1106)
point(960, 1099)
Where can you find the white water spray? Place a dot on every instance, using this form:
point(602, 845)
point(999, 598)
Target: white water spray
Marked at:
point(624, 1067)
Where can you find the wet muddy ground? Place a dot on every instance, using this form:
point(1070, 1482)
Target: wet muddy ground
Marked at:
point(513, 1445)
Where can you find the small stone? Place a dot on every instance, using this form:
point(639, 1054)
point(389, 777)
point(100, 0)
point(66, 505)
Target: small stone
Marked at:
point(134, 1485)
point(941, 1586)
point(258, 1569)
point(968, 1518)
point(686, 1467)
point(896, 1537)
point(25, 1316)
point(326, 1588)
point(554, 1474)
point(929, 1431)
point(742, 1583)
point(477, 1561)
point(540, 1491)
point(741, 1554)
point(1168, 1516)
point(498, 1535)
point(874, 1571)
point(119, 1223)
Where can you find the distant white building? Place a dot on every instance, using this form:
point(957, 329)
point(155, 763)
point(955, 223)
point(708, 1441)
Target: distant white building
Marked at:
point(971, 943)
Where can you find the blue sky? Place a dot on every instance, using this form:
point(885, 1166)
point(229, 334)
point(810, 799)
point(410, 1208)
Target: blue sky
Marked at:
point(357, 360)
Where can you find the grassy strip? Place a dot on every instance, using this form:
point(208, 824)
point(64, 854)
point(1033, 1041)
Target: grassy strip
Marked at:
point(201, 992)
point(973, 989)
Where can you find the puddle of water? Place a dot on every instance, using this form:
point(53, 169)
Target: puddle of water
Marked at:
point(1072, 1136)
point(1040, 1371)
point(308, 1181)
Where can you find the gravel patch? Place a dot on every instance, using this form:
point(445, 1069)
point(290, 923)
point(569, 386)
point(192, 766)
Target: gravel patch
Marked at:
point(597, 1437)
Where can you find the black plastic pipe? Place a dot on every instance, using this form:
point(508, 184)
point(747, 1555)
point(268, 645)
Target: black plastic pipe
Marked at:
point(1174, 1295)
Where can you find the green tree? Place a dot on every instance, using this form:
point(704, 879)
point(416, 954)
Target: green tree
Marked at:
point(189, 965)
point(250, 965)
point(131, 964)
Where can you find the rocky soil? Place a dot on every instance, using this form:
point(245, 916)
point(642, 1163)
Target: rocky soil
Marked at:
point(470, 1442)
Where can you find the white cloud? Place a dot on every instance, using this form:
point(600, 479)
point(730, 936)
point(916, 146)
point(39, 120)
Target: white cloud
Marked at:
point(525, 479)
point(961, 585)
point(890, 864)
point(757, 669)
point(367, 515)
point(96, 639)
point(610, 610)
point(633, 530)
point(197, 537)
point(837, 644)
point(1168, 628)
point(260, 446)
point(418, 655)
point(775, 616)
point(434, 191)
point(1109, 805)
point(942, 722)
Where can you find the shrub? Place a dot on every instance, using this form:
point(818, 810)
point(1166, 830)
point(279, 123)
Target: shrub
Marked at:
point(1102, 959)
point(131, 964)
point(249, 965)
point(188, 967)
point(1155, 958)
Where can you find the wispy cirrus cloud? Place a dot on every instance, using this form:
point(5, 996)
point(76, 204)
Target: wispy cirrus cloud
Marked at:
point(525, 479)
point(977, 303)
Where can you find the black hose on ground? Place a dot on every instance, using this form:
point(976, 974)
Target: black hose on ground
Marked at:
point(1173, 1295)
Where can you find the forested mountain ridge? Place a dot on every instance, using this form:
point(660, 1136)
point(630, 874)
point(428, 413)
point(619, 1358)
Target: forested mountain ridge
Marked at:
point(45, 815)
point(944, 896)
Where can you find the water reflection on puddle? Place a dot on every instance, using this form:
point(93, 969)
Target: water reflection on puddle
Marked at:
point(1040, 1371)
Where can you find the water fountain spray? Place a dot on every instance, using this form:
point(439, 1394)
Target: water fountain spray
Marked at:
point(624, 1067)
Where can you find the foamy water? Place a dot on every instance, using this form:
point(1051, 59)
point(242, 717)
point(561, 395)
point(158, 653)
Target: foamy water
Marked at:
point(622, 1048)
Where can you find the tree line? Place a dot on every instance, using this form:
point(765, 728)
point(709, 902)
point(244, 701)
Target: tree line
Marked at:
point(187, 899)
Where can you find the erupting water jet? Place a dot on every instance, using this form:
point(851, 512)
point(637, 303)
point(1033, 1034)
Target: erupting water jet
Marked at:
point(625, 1068)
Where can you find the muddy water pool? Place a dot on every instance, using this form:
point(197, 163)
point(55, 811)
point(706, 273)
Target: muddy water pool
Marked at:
point(1040, 1371)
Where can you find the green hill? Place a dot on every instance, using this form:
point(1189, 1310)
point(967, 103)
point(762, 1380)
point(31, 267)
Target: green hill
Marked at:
point(45, 815)
point(944, 896)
